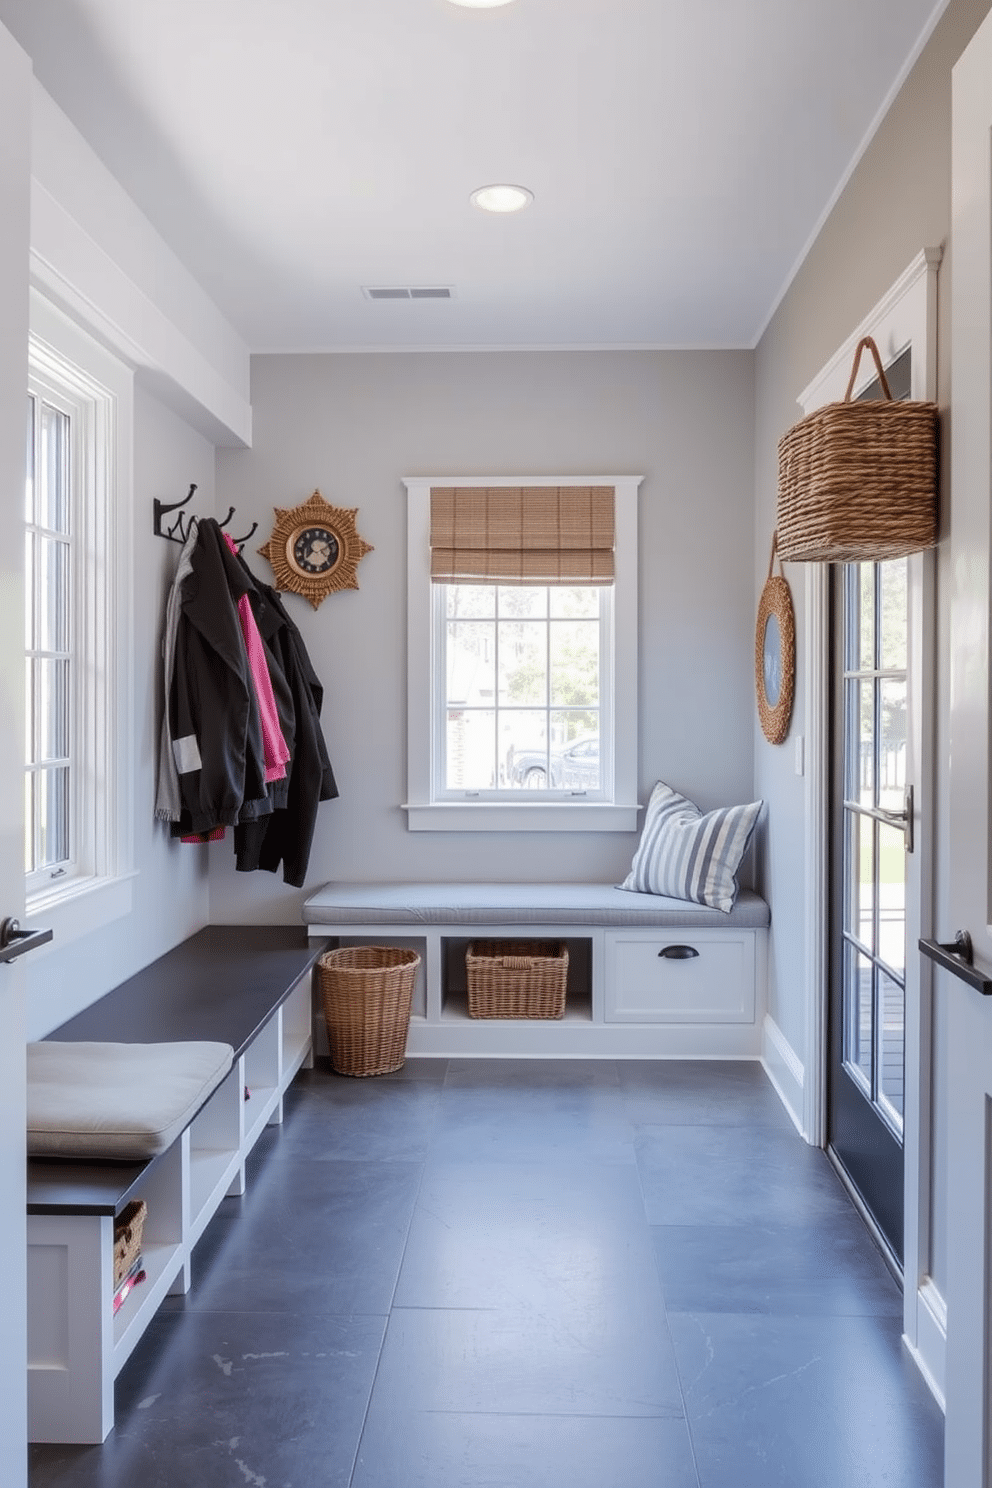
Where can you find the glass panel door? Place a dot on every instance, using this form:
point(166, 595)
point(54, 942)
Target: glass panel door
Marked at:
point(870, 839)
point(875, 866)
point(871, 818)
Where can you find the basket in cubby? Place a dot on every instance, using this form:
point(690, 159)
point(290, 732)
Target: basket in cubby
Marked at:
point(128, 1229)
point(367, 992)
point(516, 978)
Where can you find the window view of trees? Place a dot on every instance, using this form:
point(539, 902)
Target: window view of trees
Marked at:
point(523, 687)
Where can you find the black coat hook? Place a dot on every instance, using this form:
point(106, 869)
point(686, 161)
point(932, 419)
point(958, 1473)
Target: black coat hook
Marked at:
point(238, 542)
point(179, 530)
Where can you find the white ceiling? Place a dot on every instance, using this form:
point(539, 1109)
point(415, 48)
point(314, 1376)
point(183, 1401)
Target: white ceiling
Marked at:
point(681, 154)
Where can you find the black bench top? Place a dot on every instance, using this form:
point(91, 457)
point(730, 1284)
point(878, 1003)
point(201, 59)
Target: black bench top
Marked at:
point(221, 985)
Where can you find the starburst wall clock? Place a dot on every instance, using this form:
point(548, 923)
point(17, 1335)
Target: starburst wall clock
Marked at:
point(315, 548)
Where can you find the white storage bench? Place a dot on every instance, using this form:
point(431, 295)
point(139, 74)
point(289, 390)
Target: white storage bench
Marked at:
point(244, 986)
point(649, 977)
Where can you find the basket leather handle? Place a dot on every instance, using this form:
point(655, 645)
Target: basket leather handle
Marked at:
point(866, 341)
point(773, 555)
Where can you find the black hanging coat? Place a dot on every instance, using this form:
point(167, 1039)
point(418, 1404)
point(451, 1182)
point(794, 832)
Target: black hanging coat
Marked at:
point(286, 835)
point(215, 722)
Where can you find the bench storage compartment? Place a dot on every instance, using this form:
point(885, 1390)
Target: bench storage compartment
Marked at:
point(128, 1230)
point(516, 978)
point(613, 1009)
point(705, 976)
point(244, 987)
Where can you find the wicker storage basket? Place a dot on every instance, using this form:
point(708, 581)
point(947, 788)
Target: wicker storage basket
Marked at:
point(367, 992)
point(858, 481)
point(128, 1228)
point(516, 978)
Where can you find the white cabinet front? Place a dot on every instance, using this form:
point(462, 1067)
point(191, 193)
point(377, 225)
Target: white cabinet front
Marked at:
point(700, 977)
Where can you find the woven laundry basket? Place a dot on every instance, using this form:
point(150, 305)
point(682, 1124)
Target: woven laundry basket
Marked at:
point(516, 978)
point(367, 992)
point(128, 1230)
point(857, 481)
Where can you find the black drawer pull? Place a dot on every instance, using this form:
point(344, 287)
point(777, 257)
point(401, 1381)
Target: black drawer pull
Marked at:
point(678, 952)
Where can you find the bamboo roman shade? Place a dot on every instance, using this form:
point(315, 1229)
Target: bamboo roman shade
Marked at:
point(522, 534)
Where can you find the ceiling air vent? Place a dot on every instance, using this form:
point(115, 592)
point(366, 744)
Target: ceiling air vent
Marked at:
point(409, 292)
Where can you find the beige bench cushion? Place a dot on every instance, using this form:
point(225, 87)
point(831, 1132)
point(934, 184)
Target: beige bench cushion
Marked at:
point(117, 1100)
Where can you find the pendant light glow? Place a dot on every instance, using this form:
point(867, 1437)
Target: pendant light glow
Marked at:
point(501, 198)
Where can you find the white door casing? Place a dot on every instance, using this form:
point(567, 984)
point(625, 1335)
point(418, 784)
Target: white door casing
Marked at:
point(969, 1014)
point(906, 316)
point(15, 174)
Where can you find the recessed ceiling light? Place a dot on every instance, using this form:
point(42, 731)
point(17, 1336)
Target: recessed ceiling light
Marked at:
point(501, 198)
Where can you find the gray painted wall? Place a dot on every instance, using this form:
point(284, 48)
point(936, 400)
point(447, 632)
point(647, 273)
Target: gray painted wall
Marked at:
point(896, 203)
point(355, 425)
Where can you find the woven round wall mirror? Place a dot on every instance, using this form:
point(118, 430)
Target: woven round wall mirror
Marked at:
point(775, 655)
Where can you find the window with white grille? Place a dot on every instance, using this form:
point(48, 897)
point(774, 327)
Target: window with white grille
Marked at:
point(524, 690)
point(78, 834)
point(522, 700)
point(51, 744)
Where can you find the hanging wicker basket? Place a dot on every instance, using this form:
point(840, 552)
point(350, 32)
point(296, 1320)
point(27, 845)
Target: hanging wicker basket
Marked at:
point(857, 481)
point(367, 993)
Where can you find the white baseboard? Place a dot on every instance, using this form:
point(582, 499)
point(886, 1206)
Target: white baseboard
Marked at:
point(579, 1038)
point(930, 1349)
point(785, 1070)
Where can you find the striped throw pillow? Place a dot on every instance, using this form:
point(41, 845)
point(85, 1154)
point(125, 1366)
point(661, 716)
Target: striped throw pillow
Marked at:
point(687, 855)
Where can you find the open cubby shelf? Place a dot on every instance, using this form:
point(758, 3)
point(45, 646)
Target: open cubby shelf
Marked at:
point(76, 1344)
point(625, 997)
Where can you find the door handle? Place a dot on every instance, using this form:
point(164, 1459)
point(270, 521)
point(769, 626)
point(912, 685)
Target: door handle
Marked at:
point(903, 818)
point(958, 956)
point(678, 952)
point(14, 941)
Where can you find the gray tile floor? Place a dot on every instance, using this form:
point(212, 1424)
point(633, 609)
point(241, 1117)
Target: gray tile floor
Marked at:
point(478, 1274)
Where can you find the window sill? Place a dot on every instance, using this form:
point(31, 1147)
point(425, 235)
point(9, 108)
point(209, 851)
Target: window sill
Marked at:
point(77, 909)
point(502, 816)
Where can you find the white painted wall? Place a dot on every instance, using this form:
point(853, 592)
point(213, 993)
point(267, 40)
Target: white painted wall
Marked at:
point(15, 81)
point(355, 425)
point(95, 253)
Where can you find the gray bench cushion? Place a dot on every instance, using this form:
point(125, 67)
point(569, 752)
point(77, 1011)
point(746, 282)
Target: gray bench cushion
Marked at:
point(468, 904)
point(117, 1100)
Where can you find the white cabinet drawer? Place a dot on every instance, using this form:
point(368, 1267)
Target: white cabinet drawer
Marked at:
point(656, 978)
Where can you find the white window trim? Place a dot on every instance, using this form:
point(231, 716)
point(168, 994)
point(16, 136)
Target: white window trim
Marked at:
point(101, 388)
point(425, 814)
